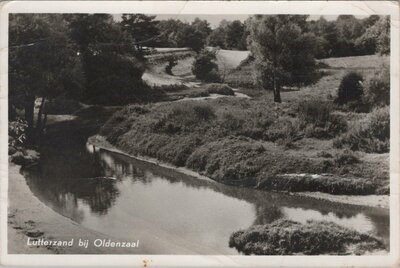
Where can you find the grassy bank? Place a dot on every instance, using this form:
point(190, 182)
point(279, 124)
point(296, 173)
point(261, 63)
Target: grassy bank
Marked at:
point(284, 237)
point(258, 143)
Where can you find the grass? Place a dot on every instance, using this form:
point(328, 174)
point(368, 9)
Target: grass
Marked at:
point(254, 142)
point(285, 237)
point(370, 135)
point(236, 142)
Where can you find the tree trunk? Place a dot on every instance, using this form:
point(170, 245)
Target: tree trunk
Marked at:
point(40, 122)
point(39, 116)
point(277, 91)
point(29, 106)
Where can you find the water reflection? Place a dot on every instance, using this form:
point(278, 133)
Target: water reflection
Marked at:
point(148, 200)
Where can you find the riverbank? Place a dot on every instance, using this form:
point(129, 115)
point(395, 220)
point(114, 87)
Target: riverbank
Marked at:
point(379, 201)
point(29, 218)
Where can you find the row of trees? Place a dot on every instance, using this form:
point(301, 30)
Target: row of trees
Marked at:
point(349, 36)
point(345, 36)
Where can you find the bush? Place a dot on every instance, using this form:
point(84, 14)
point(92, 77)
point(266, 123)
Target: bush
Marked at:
point(285, 237)
point(222, 89)
point(377, 89)
point(172, 62)
point(17, 132)
point(182, 117)
point(350, 88)
point(317, 119)
point(371, 135)
point(346, 157)
point(205, 68)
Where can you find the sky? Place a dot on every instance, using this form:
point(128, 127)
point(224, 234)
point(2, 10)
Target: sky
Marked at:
point(214, 20)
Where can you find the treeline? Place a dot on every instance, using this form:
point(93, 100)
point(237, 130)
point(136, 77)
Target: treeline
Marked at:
point(345, 36)
point(349, 36)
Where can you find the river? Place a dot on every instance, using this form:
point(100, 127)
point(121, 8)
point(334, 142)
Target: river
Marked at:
point(125, 198)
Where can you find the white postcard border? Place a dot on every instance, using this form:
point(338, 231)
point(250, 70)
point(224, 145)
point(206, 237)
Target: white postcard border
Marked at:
point(206, 7)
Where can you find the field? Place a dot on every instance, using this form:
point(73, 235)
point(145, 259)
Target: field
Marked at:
point(256, 142)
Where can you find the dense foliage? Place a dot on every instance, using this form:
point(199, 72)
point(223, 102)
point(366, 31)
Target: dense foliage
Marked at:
point(350, 88)
point(43, 64)
point(284, 51)
point(205, 67)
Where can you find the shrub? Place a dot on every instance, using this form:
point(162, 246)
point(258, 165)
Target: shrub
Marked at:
point(350, 88)
point(283, 130)
point(172, 62)
point(346, 157)
point(205, 67)
point(371, 135)
point(183, 116)
point(284, 237)
point(317, 119)
point(222, 89)
point(377, 89)
point(17, 132)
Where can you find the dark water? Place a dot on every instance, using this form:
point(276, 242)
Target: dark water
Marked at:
point(170, 212)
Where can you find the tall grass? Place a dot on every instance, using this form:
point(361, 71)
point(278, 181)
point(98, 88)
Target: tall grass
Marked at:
point(285, 237)
point(318, 120)
point(371, 135)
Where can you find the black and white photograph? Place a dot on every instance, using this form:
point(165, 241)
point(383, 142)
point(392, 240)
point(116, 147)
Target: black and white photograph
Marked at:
point(199, 134)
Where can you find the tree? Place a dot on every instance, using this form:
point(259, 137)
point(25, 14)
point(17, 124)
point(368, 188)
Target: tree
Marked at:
point(112, 65)
point(234, 35)
point(217, 36)
point(142, 28)
point(205, 67)
point(191, 38)
point(377, 37)
point(43, 64)
point(201, 26)
point(283, 50)
point(168, 32)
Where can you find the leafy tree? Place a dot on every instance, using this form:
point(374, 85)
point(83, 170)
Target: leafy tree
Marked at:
point(201, 26)
point(43, 64)
point(234, 34)
point(175, 33)
point(377, 37)
point(349, 27)
point(112, 65)
point(371, 20)
point(191, 38)
point(205, 67)
point(217, 36)
point(229, 35)
point(168, 32)
point(283, 50)
point(142, 28)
